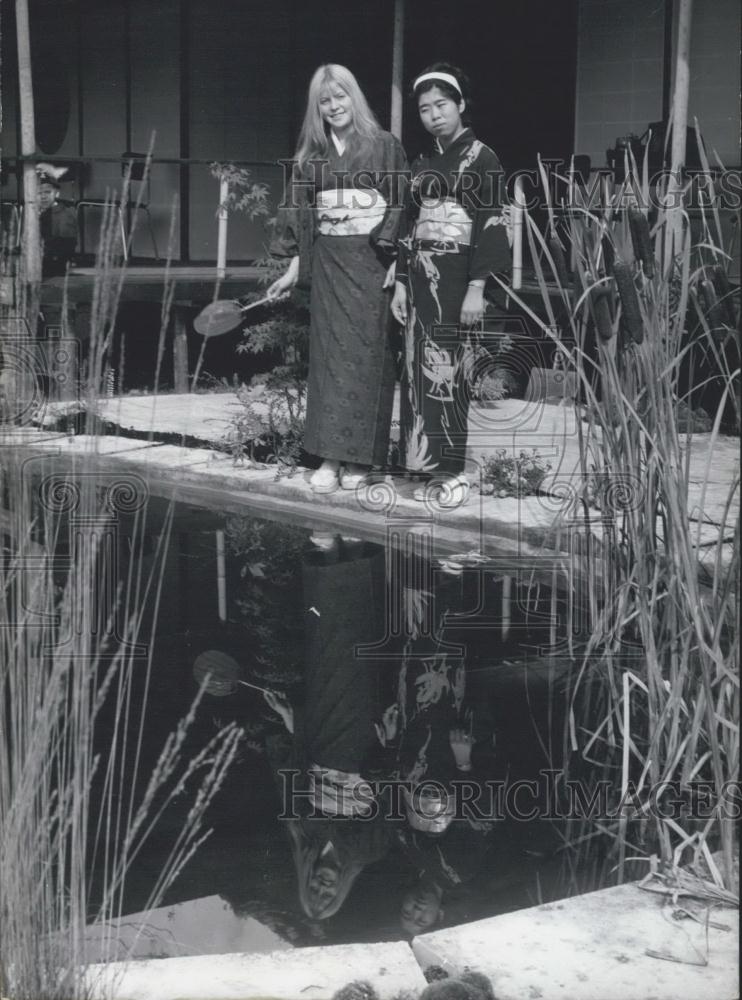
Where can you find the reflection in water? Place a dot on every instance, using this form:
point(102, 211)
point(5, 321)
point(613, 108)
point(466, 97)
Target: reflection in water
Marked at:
point(439, 728)
point(333, 731)
point(371, 667)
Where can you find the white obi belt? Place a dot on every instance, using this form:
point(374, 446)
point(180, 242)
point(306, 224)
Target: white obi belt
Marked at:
point(339, 793)
point(443, 220)
point(349, 211)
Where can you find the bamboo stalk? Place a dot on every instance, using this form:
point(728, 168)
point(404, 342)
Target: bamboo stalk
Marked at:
point(221, 577)
point(223, 218)
point(507, 585)
point(517, 213)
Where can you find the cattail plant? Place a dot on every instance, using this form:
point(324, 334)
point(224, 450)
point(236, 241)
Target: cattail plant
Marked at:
point(76, 806)
point(726, 296)
point(630, 311)
point(602, 311)
point(641, 240)
point(652, 695)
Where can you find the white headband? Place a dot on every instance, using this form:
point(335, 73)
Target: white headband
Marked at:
point(445, 77)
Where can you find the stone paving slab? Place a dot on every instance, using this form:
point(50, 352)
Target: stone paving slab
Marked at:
point(536, 532)
point(300, 974)
point(595, 947)
point(205, 926)
point(510, 424)
point(507, 528)
point(530, 530)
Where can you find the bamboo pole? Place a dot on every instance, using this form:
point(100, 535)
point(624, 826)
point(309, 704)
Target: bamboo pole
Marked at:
point(507, 589)
point(221, 249)
point(397, 68)
point(221, 577)
point(31, 237)
point(517, 217)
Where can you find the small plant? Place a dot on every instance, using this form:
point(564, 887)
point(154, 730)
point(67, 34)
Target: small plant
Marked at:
point(504, 475)
point(488, 380)
point(285, 332)
point(269, 426)
point(268, 554)
point(243, 195)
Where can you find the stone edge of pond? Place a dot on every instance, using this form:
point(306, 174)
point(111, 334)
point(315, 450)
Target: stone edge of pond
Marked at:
point(300, 974)
point(619, 943)
point(529, 525)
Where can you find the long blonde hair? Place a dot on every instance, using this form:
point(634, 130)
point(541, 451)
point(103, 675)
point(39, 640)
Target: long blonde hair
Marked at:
point(307, 842)
point(314, 138)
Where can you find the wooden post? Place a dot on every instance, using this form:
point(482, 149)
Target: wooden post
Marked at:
point(221, 250)
point(180, 348)
point(31, 237)
point(681, 86)
point(397, 69)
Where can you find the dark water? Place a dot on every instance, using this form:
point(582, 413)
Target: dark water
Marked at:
point(344, 628)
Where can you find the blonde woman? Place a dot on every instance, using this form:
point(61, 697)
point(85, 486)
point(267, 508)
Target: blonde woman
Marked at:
point(338, 228)
point(329, 807)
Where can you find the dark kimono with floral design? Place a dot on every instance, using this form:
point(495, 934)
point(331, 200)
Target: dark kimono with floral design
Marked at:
point(351, 368)
point(432, 700)
point(454, 232)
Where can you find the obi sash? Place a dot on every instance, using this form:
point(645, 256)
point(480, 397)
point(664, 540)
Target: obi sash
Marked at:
point(338, 793)
point(443, 220)
point(349, 211)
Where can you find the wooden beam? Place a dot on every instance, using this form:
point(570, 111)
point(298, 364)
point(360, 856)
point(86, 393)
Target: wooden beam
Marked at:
point(31, 237)
point(681, 85)
point(185, 129)
point(667, 61)
point(397, 69)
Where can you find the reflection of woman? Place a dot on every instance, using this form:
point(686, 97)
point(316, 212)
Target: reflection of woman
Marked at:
point(435, 740)
point(338, 227)
point(334, 734)
point(454, 237)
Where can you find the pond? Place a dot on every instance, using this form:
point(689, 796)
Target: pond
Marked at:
point(398, 710)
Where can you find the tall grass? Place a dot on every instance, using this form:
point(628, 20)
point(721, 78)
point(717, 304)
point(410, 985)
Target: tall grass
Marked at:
point(645, 318)
point(77, 805)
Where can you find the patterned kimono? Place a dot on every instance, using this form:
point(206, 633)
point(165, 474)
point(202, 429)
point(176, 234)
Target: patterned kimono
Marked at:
point(454, 232)
point(432, 700)
point(342, 217)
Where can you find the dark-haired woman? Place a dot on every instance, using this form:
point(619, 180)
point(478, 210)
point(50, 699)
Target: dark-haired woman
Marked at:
point(339, 227)
point(454, 238)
